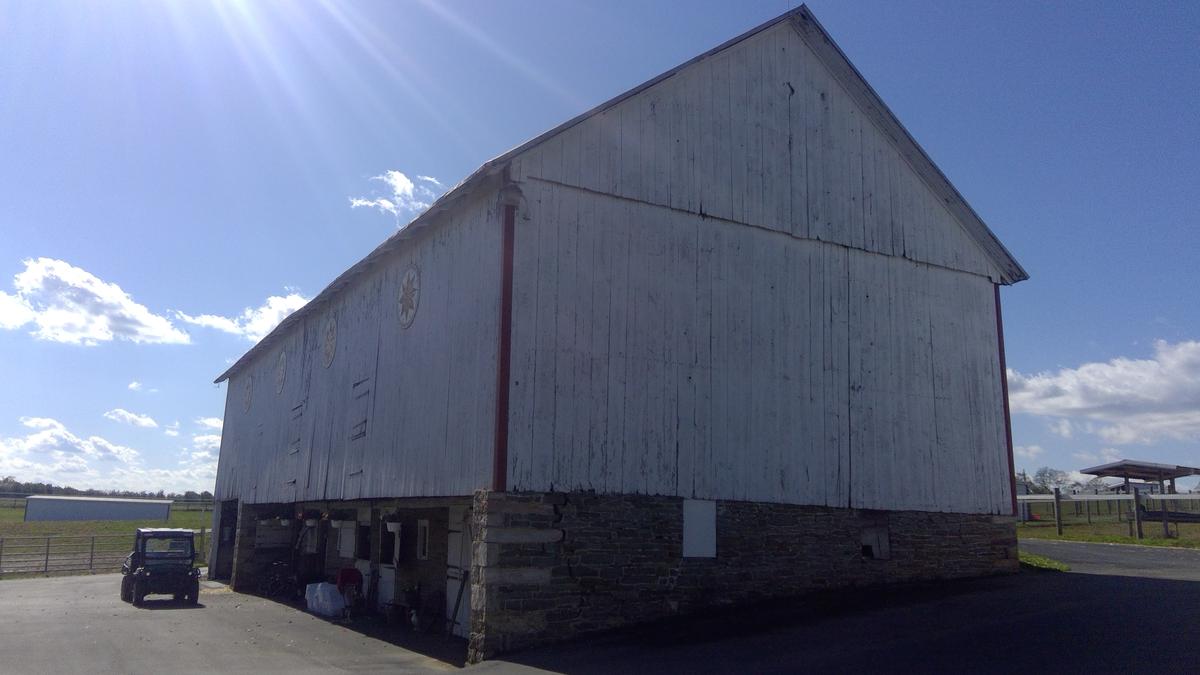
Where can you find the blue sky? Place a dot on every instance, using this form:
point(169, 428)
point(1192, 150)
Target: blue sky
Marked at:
point(176, 176)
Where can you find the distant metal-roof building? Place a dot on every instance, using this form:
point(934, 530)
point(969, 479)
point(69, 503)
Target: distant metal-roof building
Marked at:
point(47, 507)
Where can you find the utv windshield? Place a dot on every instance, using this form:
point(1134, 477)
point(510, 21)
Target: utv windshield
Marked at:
point(168, 547)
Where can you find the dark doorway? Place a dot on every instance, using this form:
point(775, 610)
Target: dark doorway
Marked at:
point(222, 560)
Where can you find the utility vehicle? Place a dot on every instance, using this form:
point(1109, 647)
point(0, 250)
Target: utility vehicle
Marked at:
point(162, 562)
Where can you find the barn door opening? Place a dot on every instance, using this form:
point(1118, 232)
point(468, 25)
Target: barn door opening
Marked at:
point(221, 566)
point(458, 564)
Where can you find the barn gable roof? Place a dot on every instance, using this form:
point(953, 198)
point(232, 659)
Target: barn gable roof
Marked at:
point(815, 36)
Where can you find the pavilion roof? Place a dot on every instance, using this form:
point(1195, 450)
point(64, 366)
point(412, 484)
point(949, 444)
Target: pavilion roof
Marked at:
point(1129, 468)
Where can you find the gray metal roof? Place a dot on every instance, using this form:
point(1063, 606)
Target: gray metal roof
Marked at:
point(805, 23)
point(127, 500)
point(1130, 468)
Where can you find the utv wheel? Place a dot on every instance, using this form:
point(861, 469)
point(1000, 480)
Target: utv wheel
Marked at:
point(139, 594)
point(193, 594)
point(126, 589)
point(180, 597)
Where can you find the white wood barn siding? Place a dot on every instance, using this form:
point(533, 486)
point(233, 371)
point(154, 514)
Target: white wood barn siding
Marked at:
point(761, 134)
point(732, 286)
point(430, 402)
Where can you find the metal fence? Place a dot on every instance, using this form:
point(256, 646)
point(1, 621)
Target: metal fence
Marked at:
point(1136, 512)
point(74, 553)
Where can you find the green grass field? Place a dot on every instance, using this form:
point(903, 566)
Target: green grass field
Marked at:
point(1031, 561)
point(12, 524)
point(1108, 523)
point(1115, 533)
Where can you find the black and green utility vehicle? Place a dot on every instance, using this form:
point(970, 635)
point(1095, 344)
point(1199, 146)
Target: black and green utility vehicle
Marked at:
point(162, 562)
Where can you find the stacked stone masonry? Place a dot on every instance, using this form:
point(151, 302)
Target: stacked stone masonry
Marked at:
point(553, 566)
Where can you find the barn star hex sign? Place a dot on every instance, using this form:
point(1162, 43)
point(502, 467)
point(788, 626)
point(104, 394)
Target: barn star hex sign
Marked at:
point(410, 296)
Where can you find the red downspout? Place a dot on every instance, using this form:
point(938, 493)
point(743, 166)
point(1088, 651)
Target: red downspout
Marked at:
point(504, 354)
point(1012, 469)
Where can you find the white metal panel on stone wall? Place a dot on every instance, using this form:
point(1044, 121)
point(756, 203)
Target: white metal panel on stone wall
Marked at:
point(427, 391)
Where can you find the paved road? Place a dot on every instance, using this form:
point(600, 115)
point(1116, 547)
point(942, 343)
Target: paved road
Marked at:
point(1097, 622)
point(1118, 559)
point(79, 625)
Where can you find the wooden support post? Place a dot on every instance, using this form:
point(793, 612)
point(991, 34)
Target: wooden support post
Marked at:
point(1087, 506)
point(1, 556)
point(1058, 510)
point(46, 564)
point(1165, 519)
point(92, 556)
point(1137, 512)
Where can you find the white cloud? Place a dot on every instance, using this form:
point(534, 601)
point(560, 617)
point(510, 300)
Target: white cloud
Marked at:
point(51, 453)
point(1105, 455)
point(135, 386)
point(405, 197)
point(172, 429)
point(254, 322)
point(1124, 400)
point(1028, 451)
point(14, 312)
point(50, 448)
point(207, 442)
point(210, 422)
point(126, 417)
point(68, 304)
point(1061, 428)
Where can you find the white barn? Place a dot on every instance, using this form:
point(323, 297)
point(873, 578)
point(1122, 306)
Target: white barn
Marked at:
point(730, 335)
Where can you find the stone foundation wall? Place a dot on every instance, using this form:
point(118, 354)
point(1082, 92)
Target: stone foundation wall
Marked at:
point(246, 565)
point(552, 566)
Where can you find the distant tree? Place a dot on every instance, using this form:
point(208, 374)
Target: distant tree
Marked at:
point(1049, 478)
point(1024, 479)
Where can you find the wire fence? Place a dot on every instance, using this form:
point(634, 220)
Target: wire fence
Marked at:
point(75, 553)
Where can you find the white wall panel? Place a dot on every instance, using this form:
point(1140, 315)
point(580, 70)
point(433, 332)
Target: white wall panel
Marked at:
point(702, 358)
point(762, 134)
point(429, 401)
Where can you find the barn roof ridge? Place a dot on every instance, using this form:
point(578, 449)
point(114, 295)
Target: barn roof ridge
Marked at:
point(809, 29)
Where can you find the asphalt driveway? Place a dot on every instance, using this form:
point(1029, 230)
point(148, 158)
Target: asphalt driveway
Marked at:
point(79, 625)
point(1124, 609)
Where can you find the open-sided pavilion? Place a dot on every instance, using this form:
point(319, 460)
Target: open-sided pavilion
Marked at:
point(1163, 474)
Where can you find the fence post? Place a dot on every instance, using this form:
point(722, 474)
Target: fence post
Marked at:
point(46, 564)
point(1166, 522)
point(92, 556)
point(1, 555)
point(1087, 506)
point(1058, 510)
point(1137, 511)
